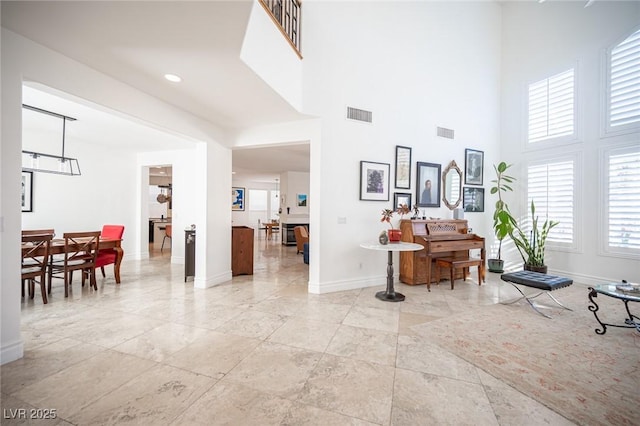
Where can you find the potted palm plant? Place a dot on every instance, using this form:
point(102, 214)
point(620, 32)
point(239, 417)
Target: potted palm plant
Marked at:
point(531, 247)
point(503, 222)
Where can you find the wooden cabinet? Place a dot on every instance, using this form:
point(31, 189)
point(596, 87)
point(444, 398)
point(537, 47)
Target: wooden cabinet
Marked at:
point(440, 238)
point(241, 250)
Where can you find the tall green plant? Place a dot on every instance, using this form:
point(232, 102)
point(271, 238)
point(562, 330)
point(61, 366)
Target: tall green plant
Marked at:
point(503, 222)
point(531, 247)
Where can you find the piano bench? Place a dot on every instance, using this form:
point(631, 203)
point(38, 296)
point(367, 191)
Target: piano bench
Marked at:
point(456, 263)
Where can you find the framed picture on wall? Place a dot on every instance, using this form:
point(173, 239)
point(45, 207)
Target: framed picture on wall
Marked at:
point(428, 185)
point(27, 191)
point(400, 198)
point(473, 199)
point(302, 200)
point(374, 181)
point(473, 167)
point(403, 167)
point(237, 198)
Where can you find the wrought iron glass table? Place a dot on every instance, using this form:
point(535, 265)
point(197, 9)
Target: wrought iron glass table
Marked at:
point(611, 290)
point(390, 295)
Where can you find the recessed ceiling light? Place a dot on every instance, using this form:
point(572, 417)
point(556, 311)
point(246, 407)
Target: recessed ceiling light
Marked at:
point(173, 78)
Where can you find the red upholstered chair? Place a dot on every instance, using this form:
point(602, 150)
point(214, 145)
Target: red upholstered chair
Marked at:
point(108, 256)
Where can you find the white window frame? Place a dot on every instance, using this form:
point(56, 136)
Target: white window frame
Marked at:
point(555, 141)
point(576, 158)
point(607, 129)
point(603, 222)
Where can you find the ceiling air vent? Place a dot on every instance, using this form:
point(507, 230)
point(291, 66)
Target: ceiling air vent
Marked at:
point(445, 133)
point(359, 115)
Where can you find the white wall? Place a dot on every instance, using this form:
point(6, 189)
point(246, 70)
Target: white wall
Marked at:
point(416, 66)
point(243, 218)
point(294, 183)
point(184, 193)
point(541, 40)
point(262, 47)
point(103, 194)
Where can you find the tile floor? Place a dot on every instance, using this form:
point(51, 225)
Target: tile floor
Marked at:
point(259, 350)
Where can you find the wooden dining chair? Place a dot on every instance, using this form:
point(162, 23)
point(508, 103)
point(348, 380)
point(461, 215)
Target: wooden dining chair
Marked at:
point(80, 253)
point(167, 234)
point(51, 232)
point(108, 256)
point(35, 259)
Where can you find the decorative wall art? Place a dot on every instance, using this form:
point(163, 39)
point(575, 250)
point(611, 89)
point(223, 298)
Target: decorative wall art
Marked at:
point(473, 167)
point(403, 167)
point(428, 185)
point(302, 200)
point(400, 198)
point(237, 199)
point(27, 191)
point(473, 199)
point(374, 181)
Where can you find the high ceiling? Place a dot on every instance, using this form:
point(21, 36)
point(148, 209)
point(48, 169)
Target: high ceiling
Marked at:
point(139, 42)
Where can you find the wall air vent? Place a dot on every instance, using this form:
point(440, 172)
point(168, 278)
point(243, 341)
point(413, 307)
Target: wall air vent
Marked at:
point(445, 133)
point(359, 115)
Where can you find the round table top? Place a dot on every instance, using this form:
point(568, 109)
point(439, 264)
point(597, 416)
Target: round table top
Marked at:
point(613, 291)
point(400, 246)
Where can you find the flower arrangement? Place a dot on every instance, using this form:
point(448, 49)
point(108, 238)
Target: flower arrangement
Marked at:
point(387, 214)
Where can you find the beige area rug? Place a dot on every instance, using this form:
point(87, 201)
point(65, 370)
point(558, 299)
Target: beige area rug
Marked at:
point(561, 362)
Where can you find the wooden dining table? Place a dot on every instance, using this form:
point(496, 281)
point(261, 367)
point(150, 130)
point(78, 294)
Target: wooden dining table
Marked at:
point(270, 227)
point(57, 247)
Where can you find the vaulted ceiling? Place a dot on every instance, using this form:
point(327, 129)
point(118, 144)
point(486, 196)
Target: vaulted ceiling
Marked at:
point(139, 42)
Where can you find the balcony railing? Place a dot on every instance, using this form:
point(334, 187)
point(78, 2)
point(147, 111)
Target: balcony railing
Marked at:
point(287, 15)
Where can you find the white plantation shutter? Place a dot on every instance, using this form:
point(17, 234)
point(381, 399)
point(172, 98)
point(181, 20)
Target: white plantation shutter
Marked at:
point(551, 187)
point(623, 200)
point(552, 107)
point(624, 89)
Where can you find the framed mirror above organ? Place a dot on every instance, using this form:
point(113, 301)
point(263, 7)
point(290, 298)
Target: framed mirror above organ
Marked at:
point(452, 185)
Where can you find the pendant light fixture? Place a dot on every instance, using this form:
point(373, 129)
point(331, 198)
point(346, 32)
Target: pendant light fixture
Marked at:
point(49, 163)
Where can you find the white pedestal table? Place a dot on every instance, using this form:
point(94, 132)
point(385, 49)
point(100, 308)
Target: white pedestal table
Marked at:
point(390, 295)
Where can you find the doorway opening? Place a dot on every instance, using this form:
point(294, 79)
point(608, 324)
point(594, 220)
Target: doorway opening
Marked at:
point(160, 204)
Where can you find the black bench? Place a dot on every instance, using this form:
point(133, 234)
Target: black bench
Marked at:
point(545, 283)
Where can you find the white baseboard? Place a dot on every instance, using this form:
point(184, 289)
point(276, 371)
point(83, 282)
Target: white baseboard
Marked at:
point(588, 280)
point(224, 277)
point(333, 286)
point(11, 352)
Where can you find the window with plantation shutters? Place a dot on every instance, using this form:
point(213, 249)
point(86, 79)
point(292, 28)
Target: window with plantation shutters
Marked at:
point(552, 107)
point(623, 101)
point(551, 186)
point(623, 200)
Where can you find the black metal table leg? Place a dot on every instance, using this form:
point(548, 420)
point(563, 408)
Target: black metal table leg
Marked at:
point(594, 309)
point(632, 322)
point(390, 295)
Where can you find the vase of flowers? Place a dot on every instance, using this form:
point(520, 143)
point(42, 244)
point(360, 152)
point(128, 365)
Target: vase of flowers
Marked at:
point(394, 234)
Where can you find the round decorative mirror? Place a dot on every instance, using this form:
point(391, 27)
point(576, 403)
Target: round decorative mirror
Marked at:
point(452, 185)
